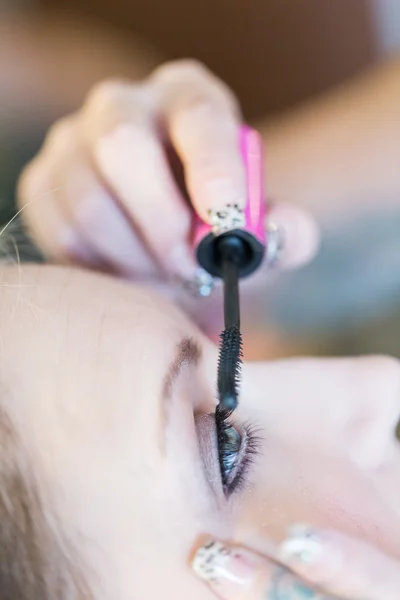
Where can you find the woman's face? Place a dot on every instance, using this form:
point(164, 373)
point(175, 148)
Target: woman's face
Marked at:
point(108, 386)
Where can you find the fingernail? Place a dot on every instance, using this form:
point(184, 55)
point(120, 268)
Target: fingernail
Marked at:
point(310, 552)
point(231, 216)
point(201, 285)
point(275, 244)
point(227, 571)
point(221, 192)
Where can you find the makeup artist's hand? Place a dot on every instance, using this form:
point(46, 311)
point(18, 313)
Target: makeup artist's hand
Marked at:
point(106, 189)
point(315, 565)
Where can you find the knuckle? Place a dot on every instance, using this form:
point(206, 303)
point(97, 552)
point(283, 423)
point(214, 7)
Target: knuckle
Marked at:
point(61, 133)
point(105, 95)
point(196, 104)
point(227, 98)
point(204, 102)
point(112, 102)
point(175, 71)
point(24, 180)
point(30, 181)
point(191, 84)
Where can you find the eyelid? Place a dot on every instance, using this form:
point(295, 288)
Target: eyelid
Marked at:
point(208, 448)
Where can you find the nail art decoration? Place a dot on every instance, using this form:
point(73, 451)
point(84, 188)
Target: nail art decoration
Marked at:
point(227, 219)
point(222, 566)
point(209, 559)
point(275, 244)
point(301, 546)
point(203, 283)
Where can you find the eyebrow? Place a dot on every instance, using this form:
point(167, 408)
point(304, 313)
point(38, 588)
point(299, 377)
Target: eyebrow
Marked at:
point(188, 355)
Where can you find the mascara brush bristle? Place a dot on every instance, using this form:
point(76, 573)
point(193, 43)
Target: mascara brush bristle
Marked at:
point(229, 368)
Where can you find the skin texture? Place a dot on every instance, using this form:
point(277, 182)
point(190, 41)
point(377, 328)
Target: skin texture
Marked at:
point(102, 192)
point(83, 363)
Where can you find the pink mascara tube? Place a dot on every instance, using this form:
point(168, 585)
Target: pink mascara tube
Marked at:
point(248, 224)
point(232, 246)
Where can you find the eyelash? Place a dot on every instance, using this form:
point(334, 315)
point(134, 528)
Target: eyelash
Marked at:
point(249, 446)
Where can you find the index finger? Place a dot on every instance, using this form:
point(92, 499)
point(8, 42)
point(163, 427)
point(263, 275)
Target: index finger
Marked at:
point(202, 121)
point(235, 573)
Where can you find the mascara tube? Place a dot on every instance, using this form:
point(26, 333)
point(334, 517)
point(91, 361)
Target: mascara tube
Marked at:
point(232, 246)
point(246, 225)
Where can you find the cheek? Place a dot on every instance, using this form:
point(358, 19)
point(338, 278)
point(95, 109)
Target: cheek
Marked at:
point(290, 487)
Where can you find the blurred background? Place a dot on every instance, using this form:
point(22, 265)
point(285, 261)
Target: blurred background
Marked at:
point(275, 54)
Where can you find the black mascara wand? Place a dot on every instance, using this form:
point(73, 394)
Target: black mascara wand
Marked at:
point(231, 251)
point(231, 245)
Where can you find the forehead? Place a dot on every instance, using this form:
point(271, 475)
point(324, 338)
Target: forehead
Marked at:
point(68, 336)
point(42, 299)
